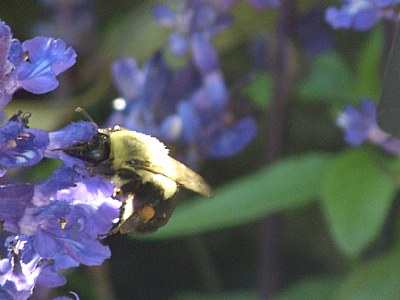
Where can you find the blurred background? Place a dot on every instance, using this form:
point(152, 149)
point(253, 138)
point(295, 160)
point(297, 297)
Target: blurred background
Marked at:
point(279, 226)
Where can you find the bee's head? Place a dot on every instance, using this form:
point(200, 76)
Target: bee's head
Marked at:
point(94, 151)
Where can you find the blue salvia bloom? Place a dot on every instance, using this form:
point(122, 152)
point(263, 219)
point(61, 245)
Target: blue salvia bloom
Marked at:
point(56, 224)
point(360, 126)
point(361, 14)
point(19, 145)
point(32, 65)
point(59, 222)
point(194, 24)
point(192, 18)
point(18, 272)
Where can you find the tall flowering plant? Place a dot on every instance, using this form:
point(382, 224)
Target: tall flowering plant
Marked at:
point(226, 73)
point(55, 224)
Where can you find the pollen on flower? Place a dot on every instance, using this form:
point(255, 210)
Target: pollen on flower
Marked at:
point(63, 223)
point(26, 56)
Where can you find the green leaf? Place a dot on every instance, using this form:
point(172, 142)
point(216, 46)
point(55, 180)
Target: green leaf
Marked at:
point(368, 74)
point(289, 183)
point(330, 80)
point(135, 34)
point(356, 200)
point(378, 279)
point(260, 90)
point(236, 295)
point(311, 289)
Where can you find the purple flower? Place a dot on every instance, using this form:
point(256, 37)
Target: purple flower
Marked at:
point(32, 65)
point(47, 58)
point(262, 4)
point(19, 145)
point(179, 108)
point(18, 273)
point(81, 131)
point(193, 17)
point(75, 21)
point(360, 126)
point(360, 14)
point(59, 222)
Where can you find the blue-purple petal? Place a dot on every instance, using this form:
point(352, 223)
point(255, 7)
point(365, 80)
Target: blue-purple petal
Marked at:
point(214, 83)
point(190, 121)
point(48, 57)
point(50, 279)
point(178, 43)
point(20, 146)
point(204, 17)
point(45, 244)
point(233, 139)
point(5, 43)
point(14, 199)
point(89, 252)
point(61, 178)
point(204, 55)
point(360, 18)
point(365, 19)
point(338, 18)
point(164, 15)
point(127, 78)
point(171, 128)
point(81, 131)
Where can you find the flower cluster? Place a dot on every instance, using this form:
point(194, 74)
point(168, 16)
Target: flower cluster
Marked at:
point(360, 126)
point(31, 65)
point(361, 14)
point(56, 224)
point(186, 107)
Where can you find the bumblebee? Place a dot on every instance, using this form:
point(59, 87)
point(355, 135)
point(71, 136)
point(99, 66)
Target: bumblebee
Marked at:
point(146, 178)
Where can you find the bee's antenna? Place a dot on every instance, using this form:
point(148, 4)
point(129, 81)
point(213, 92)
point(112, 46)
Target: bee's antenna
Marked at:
point(85, 114)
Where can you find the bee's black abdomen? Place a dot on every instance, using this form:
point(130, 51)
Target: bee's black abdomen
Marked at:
point(142, 195)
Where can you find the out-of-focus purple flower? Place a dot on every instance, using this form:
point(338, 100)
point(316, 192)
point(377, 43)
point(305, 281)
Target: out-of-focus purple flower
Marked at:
point(75, 21)
point(262, 4)
point(193, 17)
point(179, 108)
point(206, 59)
point(360, 14)
point(360, 126)
point(19, 145)
point(32, 65)
point(195, 23)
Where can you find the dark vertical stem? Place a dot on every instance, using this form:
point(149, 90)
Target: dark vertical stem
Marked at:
point(278, 122)
point(203, 263)
point(277, 132)
point(102, 281)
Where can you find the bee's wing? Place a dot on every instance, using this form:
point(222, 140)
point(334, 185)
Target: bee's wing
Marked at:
point(179, 173)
